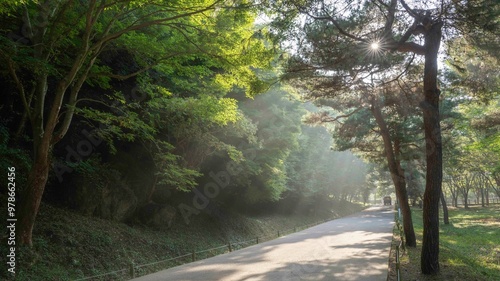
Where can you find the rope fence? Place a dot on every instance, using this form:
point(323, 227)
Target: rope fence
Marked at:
point(134, 270)
point(401, 245)
point(103, 274)
point(398, 263)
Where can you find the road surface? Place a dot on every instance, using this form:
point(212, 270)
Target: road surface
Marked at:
point(351, 248)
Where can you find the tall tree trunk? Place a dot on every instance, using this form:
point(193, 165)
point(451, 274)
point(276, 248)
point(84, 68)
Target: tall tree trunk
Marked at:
point(487, 195)
point(455, 199)
point(43, 130)
point(397, 174)
point(496, 177)
point(434, 154)
point(466, 199)
point(402, 195)
point(482, 197)
point(446, 219)
point(32, 196)
point(411, 240)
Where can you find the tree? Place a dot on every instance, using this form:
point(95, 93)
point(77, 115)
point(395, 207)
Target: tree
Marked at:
point(377, 121)
point(472, 140)
point(351, 29)
point(452, 188)
point(277, 119)
point(196, 129)
point(317, 174)
point(413, 178)
point(347, 35)
point(393, 153)
point(446, 218)
point(61, 49)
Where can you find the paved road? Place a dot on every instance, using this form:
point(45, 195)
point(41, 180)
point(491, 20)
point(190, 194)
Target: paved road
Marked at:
point(350, 248)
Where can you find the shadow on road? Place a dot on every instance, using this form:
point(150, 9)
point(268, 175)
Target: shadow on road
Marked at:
point(351, 248)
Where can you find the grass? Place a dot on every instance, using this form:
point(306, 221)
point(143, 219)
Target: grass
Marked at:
point(469, 246)
point(69, 246)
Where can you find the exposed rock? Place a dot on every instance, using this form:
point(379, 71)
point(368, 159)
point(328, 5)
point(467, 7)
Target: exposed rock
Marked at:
point(103, 195)
point(157, 215)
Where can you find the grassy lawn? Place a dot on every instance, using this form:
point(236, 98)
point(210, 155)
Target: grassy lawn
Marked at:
point(470, 246)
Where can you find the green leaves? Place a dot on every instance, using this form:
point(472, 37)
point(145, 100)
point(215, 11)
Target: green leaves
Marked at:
point(9, 7)
point(172, 173)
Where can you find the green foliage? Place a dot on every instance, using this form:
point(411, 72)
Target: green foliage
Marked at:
point(203, 55)
point(482, 139)
point(9, 6)
point(172, 173)
point(194, 62)
point(127, 127)
point(278, 126)
point(193, 123)
point(472, 71)
point(478, 22)
point(318, 172)
point(190, 53)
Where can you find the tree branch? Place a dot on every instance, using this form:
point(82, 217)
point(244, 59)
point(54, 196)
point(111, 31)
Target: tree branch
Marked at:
point(135, 27)
point(390, 18)
point(409, 10)
point(328, 119)
point(123, 77)
point(19, 86)
point(339, 28)
point(402, 73)
point(411, 47)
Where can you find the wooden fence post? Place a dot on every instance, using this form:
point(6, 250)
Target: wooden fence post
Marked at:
point(132, 270)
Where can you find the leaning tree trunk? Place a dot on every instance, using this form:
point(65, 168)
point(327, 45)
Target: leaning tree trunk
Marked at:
point(397, 174)
point(434, 154)
point(411, 240)
point(496, 176)
point(402, 193)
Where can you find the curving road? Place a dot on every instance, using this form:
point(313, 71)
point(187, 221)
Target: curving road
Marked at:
point(351, 248)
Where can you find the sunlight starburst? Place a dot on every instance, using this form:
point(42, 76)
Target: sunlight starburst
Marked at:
point(374, 49)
